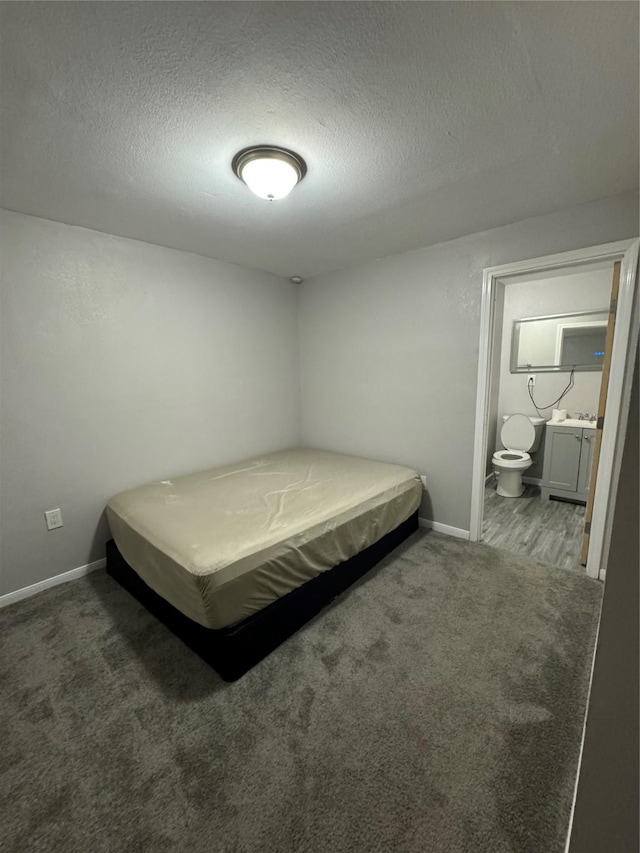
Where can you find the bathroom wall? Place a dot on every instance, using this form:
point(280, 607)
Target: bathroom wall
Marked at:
point(124, 362)
point(584, 291)
point(389, 349)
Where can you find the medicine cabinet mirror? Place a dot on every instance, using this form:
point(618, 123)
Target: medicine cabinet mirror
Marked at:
point(561, 342)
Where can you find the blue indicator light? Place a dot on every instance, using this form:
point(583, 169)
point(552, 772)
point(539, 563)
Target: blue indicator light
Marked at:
point(599, 352)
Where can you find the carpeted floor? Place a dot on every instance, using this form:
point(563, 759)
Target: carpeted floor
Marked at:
point(437, 706)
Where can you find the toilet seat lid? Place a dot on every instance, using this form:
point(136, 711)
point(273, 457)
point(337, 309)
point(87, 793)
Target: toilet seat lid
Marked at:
point(518, 433)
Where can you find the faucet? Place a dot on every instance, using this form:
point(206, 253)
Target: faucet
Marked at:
point(583, 416)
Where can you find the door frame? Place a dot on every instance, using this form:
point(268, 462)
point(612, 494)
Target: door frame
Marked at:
point(617, 409)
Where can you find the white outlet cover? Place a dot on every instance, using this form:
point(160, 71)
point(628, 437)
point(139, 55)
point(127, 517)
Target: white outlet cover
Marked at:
point(54, 518)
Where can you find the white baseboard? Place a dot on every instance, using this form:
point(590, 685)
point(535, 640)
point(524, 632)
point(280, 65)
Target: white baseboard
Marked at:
point(437, 527)
point(532, 481)
point(35, 588)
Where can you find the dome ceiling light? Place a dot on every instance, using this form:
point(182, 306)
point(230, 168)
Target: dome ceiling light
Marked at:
point(269, 172)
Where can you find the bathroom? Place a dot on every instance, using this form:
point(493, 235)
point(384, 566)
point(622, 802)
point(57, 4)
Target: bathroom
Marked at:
point(539, 465)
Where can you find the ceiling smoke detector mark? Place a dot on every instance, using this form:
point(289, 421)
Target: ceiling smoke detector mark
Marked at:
point(53, 518)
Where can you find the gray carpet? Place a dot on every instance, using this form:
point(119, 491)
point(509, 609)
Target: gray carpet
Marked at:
point(436, 706)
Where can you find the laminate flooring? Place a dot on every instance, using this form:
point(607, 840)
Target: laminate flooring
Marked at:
point(550, 532)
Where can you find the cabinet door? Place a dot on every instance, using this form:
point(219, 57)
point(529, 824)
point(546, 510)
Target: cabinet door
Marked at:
point(562, 458)
point(586, 458)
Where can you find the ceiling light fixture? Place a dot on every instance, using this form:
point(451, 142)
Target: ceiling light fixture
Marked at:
point(269, 172)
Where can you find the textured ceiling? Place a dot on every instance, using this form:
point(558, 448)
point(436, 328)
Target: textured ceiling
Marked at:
point(419, 122)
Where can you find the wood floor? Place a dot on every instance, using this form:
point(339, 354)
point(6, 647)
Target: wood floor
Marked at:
point(550, 532)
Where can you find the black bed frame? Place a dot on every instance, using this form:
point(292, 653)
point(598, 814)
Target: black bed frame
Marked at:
point(234, 650)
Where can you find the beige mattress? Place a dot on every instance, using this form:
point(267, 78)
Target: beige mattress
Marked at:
point(222, 544)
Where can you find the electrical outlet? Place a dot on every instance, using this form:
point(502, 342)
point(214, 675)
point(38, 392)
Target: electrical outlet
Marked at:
point(531, 379)
point(423, 480)
point(54, 518)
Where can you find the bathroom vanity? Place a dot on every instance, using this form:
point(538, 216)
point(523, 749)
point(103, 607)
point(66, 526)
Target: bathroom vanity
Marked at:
point(568, 454)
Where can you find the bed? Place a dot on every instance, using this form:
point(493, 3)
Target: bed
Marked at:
point(236, 558)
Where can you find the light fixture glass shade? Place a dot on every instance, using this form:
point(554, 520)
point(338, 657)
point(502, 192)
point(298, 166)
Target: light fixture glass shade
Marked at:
point(270, 173)
point(269, 178)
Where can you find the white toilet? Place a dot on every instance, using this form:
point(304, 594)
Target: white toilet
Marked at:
point(519, 434)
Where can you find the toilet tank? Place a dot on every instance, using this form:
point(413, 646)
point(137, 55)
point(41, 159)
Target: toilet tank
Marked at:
point(538, 425)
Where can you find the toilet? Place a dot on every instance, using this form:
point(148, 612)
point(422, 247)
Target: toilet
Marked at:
point(519, 434)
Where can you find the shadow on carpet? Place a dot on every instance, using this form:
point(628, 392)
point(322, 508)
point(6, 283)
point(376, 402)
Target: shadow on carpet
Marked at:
point(436, 706)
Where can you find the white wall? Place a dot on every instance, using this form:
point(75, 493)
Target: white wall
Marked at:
point(124, 362)
point(389, 350)
point(584, 291)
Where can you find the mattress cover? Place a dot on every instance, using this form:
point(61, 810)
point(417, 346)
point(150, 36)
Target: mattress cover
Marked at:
point(222, 544)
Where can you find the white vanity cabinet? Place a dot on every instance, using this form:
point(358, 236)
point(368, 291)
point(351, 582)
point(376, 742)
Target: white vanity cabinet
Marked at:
point(568, 454)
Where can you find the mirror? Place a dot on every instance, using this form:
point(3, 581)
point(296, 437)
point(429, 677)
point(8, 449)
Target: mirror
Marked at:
point(559, 342)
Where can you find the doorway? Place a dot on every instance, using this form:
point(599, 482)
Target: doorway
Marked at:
point(495, 282)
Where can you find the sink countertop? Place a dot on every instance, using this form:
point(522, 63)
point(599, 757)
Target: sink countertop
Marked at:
point(573, 423)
